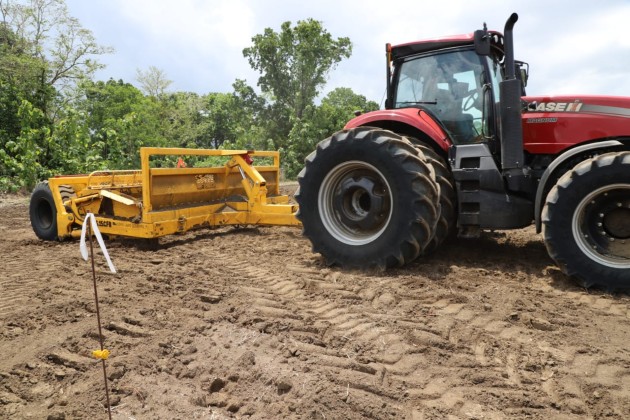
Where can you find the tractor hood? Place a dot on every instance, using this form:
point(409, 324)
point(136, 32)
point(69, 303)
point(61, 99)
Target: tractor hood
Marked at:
point(552, 124)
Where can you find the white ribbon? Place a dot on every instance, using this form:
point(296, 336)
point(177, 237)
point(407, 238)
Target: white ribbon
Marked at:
point(99, 238)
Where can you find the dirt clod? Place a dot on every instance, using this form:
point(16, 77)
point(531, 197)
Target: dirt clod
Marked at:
point(216, 385)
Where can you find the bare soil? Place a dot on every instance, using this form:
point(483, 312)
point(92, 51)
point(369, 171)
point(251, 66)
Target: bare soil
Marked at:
point(249, 323)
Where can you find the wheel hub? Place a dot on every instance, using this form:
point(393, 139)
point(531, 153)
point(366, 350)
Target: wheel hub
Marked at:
point(601, 225)
point(617, 223)
point(360, 203)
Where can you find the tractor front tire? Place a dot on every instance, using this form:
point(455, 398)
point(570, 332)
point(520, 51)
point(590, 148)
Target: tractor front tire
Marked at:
point(368, 199)
point(43, 212)
point(586, 222)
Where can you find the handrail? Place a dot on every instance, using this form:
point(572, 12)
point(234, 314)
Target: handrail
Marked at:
point(113, 174)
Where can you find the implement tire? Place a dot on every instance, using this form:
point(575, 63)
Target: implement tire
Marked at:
point(368, 198)
point(43, 212)
point(66, 192)
point(586, 222)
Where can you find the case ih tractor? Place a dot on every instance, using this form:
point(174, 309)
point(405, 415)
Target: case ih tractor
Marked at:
point(459, 148)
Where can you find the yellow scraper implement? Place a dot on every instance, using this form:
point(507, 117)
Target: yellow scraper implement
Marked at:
point(157, 201)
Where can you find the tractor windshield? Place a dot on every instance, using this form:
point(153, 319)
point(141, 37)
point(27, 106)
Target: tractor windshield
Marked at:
point(449, 85)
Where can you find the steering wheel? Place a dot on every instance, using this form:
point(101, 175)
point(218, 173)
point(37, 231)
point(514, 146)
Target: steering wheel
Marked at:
point(471, 100)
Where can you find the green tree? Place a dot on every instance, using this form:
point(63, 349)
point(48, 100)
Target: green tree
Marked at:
point(216, 120)
point(339, 106)
point(20, 75)
point(182, 119)
point(250, 119)
point(24, 125)
point(153, 81)
point(294, 64)
point(319, 122)
point(20, 157)
point(43, 53)
point(48, 33)
point(74, 150)
point(120, 120)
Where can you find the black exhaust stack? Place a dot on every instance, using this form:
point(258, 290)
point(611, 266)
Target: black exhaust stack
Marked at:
point(512, 155)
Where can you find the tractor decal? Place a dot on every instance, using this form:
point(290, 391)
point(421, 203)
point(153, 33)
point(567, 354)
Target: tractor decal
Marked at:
point(559, 106)
point(541, 120)
point(608, 110)
point(581, 107)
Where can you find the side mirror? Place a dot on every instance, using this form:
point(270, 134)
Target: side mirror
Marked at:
point(522, 73)
point(482, 41)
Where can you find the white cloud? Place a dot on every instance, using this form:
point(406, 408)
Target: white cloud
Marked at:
point(191, 39)
point(579, 54)
point(191, 23)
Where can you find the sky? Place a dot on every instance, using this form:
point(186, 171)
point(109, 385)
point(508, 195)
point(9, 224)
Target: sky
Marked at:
point(572, 47)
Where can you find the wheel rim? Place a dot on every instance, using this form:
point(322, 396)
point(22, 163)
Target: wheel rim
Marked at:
point(601, 225)
point(44, 214)
point(355, 203)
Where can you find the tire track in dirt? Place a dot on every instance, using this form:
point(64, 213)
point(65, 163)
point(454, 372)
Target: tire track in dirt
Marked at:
point(14, 289)
point(529, 355)
point(318, 328)
point(14, 293)
point(599, 302)
point(377, 354)
point(395, 352)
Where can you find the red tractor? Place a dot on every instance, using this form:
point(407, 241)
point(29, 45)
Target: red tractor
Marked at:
point(460, 148)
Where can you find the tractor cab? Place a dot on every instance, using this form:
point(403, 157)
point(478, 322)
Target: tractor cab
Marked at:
point(471, 86)
point(455, 79)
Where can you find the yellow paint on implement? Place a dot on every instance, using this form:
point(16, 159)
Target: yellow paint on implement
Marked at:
point(153, 202)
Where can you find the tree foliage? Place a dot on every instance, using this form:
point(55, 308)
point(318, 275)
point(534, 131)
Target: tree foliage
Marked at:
point(319, 122)
point(294, 64)
point(153, 81)
point(45, 31)
point(120, 120)
point(43, 52)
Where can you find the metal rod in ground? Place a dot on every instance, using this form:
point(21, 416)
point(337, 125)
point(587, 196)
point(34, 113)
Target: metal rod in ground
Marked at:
point(98, 319)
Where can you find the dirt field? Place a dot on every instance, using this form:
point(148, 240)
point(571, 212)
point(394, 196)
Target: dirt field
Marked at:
point(248, 323)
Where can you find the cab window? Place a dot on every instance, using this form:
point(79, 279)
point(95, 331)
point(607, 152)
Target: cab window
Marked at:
point(450, 86)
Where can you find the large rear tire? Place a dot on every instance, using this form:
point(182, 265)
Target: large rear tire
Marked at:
point(368, 198)
point(447, 222)
point(43, 212)
point(586, 222)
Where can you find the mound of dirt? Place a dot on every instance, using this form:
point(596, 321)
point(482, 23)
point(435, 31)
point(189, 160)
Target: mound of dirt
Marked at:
point(249, 323)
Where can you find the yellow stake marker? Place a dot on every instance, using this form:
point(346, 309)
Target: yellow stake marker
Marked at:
point(100, 354)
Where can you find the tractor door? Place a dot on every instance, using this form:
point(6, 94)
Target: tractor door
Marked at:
point(450, 85)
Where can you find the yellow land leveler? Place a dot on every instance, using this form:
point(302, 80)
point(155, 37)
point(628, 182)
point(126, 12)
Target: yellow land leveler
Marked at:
point(157, 201)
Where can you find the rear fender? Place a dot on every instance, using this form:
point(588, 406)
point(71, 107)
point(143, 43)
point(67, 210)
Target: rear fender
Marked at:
point(411, 122)
point(554, 171)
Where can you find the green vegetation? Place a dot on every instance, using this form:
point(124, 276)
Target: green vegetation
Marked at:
point(56, 119)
